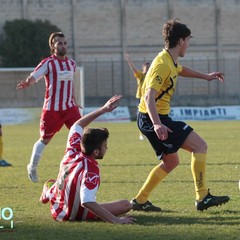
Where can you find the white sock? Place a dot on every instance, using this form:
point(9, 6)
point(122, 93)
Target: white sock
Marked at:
point(38, 148)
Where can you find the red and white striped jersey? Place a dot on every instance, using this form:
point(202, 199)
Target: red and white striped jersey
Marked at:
point(78, 181)
point(59, 77)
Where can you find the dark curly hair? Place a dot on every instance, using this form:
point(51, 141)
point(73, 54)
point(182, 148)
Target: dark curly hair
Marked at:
point(173, 30)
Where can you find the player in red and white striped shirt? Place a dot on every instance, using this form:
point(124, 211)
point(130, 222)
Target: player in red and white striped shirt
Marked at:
point(59, 106)
point(73, 195)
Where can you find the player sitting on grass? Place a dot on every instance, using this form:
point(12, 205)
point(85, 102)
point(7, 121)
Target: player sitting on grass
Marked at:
point(73, 195)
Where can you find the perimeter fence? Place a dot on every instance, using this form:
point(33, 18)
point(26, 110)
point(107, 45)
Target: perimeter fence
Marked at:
point(103, 79)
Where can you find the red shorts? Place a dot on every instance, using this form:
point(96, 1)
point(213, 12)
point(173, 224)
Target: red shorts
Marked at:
point(52, 121)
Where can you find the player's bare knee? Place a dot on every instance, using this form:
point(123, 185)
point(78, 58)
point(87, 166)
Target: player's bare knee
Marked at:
point(199, 146)
point(176, 163)
point(202, 146)
point(169, 164)
point(173, 164)
point(45, 141)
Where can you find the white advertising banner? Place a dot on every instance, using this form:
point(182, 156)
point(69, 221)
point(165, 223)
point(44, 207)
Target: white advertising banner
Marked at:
point(206, 113)
point(10, 116)
point(120, 114)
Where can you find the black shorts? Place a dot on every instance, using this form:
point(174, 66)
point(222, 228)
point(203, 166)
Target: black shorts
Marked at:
point(180, 131)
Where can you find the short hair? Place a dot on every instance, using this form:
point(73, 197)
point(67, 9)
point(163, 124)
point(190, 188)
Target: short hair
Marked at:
point(92, 139)
point(173, 30)
point(52, 37)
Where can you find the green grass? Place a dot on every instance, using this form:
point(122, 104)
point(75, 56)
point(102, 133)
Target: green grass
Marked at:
point(123, 171)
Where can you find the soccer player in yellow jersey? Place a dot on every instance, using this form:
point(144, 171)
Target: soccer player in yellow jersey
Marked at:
point(140, 76)
point(164, 134)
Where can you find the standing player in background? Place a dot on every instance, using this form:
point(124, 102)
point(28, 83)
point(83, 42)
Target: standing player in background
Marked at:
point(140, 76)
point(164, 134)
point(73, 196)
point(3, 163)
point(59, 106)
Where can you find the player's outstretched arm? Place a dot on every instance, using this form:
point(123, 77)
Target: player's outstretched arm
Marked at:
point(28, 82)
point(215, 75)
point(109, 106)
point(130, 63)
point(188, 72)
point(106, 216)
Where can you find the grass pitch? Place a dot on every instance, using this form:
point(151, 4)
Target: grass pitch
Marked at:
point(123, 171)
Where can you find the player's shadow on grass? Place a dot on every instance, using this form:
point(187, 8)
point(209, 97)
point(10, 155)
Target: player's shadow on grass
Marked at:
point(214, 218)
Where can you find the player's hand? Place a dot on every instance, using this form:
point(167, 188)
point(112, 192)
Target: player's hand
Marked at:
point(22, 84)
point(26, 83)
point(126, 55)
point(161, 131)
point(79, 106)
point(215, 75)
point(127, 220)
point(112, 103)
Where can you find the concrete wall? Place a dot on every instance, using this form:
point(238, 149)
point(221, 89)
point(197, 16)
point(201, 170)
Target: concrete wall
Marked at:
point(99, 32)
point(104, 29)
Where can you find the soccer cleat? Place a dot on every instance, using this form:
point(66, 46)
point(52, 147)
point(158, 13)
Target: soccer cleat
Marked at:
point(210, 201)
point(47, 185)
point(145, 207)
point(32, 173)
point(4, 163)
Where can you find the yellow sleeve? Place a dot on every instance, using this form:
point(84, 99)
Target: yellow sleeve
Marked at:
point(138, 75)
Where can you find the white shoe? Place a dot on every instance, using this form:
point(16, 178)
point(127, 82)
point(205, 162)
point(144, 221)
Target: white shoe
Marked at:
point(32, 173)
point(141, 137)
